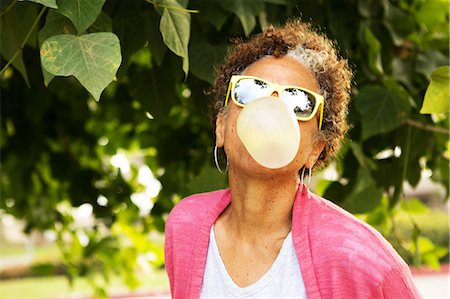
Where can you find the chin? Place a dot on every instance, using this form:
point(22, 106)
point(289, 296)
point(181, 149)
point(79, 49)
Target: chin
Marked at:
point(254, 169)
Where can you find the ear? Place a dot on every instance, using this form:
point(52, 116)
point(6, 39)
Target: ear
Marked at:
point(318, 146)
point(220, 129)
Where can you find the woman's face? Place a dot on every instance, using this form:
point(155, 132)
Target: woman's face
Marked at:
point(283, 71)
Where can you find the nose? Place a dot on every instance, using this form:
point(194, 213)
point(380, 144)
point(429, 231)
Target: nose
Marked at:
point(275, 94)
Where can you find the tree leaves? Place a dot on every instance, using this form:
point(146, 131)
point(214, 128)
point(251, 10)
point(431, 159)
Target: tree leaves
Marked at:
point(155, 90)
point(365, 195)
point(130, 25)
point(82, 13)
point(382, 108)
point(437, 95)
point(103, 23)
point(399, 23)
point(175, 29)
point(373, 51)
point(245, 10)
point(55, 24)
point(91, 58)
point(204, 57)
point(48, 3)
point(213, 13)
point(155, 40)
point(432, 13)
point(14, 27)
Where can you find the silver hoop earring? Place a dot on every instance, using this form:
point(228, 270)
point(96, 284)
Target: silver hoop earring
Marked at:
point(303, 175)
point(216, 161)
point(309, 175)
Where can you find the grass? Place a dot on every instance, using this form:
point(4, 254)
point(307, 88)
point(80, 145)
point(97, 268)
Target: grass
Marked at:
point(58, 287)
point(433, 225)
point(50, 287)
point(44, 253)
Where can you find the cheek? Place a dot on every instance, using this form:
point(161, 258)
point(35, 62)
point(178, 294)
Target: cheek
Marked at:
point(306, 142)
point(230, 130)
point(232, 141)
point(231, 122)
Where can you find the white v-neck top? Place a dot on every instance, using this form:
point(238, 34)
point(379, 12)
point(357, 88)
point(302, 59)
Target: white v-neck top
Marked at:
point(282, 280)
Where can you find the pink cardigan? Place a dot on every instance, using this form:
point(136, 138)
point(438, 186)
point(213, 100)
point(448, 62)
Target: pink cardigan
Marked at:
point(339, 255)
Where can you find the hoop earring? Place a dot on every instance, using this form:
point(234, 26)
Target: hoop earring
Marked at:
point(216, 161)
point(309, 175)
point(303, 175)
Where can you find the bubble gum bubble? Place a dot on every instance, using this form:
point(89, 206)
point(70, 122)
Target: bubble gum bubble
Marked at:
point(269, 132)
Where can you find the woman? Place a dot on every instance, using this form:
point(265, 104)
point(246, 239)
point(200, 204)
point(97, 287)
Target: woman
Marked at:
point(268, 236)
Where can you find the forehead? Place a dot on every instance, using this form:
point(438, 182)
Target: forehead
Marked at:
point(284, 70)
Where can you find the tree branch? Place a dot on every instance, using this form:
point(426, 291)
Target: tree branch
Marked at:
point(19, 50)
point(427, 127)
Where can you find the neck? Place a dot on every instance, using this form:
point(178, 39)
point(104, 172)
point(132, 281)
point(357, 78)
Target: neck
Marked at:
point(261, 207)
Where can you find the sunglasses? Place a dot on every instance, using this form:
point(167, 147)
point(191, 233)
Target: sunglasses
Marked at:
point(303, 102)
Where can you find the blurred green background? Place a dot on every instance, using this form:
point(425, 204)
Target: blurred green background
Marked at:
point(105, 127)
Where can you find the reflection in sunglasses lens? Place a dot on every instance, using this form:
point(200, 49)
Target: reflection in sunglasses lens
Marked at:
point(247, 90)
point(301, 102)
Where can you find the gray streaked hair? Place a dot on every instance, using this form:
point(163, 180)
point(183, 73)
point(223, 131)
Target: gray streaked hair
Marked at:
point(315, 61)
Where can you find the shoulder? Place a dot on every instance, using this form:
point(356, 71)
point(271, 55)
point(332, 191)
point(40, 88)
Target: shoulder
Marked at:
point(192, 209)
point(345, 251)
point(187, 230)
point(332, 219)
point(186, 224)
point(346, 241)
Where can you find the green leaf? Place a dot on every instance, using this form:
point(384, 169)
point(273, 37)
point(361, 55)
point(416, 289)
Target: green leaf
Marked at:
point(55, 24)
point(365, 195)
point(204, 57)
point(359, 155)
point(175, 29)
point(212, 13)
point(437, 94)
point(155, 40)
point(382, 108)
point(131, 25)
point(155, 89)
point(103, 23)
point(414, 205)
point(246, 12)
point(433, 13)
point(428, 61)
point(400, 23)
point(14, 27)
point(321, 186)
point(426, 251)
point(365, 8)
point(82, 13)
point(91, 58)
point(48, 3)
point(379, 217)
point(280, 2)
point(373, 48)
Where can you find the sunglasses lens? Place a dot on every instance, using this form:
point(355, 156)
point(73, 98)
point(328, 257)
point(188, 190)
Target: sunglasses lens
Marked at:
point(301, 102)
point(247, 90)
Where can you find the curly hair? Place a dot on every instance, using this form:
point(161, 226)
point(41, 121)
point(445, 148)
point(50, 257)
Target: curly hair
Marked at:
point(311, 48)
